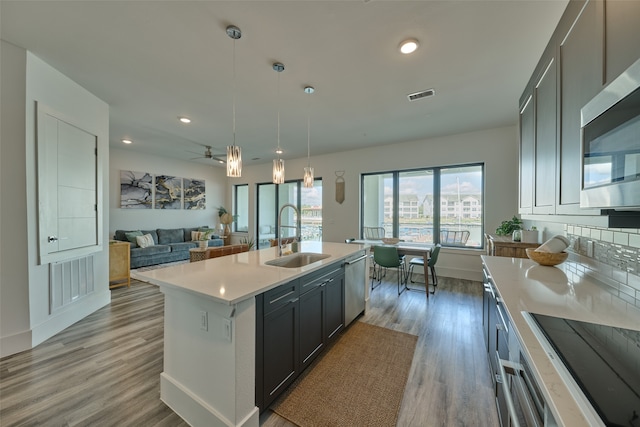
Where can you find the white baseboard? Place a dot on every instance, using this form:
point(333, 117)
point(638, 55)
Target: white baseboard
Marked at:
point(70, 315)
point(454, 273)
point(196, 412)
point(15, 343)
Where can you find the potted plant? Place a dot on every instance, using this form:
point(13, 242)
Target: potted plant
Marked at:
point(249, 241)
point(509, 226)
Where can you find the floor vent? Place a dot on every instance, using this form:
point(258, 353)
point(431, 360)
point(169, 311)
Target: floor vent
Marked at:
point(421, 94)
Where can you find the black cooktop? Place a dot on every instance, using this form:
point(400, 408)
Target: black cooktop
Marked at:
point(605, 363)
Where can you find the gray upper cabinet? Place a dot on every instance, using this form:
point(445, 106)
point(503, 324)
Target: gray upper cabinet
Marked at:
point(545, 100)
point(581, 78)
point(527, 148)
point(622, 36)
point(594, 42)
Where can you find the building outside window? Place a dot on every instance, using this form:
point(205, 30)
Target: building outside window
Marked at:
point(402, 202)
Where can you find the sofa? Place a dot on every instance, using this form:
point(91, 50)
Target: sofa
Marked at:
point(169, 244)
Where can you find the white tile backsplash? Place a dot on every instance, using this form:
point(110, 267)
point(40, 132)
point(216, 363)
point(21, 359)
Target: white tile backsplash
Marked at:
point(616, 258)
point(621, 238)
point(607, 236)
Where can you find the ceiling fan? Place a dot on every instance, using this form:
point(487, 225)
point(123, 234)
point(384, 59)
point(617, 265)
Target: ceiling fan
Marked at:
point(208, 154)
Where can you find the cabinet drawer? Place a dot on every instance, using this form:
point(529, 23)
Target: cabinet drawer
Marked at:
point(320, 277)
point(280, 296)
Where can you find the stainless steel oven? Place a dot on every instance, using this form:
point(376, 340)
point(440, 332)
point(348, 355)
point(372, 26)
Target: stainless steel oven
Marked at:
point(525, 403)
point(610, 131)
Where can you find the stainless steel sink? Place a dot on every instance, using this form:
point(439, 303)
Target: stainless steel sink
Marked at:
point(297, 260)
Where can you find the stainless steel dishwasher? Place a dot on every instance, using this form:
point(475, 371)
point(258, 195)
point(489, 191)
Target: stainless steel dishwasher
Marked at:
point(354, 286)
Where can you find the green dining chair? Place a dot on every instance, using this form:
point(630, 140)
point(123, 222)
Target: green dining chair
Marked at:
point(433, 258)
point(386, 256)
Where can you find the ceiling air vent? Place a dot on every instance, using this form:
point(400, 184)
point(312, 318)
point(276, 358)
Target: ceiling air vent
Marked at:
point(421, 94)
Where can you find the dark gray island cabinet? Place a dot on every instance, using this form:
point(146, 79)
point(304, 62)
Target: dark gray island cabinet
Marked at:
point(239, 329)
point(294, 324)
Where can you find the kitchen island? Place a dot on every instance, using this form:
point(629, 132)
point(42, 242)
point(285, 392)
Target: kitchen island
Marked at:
point(210, 329)
point(566, 291)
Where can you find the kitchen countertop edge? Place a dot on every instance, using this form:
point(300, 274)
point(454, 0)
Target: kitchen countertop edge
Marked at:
point(524, 287)
point(234, 278)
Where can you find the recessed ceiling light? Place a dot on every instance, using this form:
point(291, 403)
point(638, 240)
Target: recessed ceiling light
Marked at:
point(409, 46)
point(127, 141)
point(184, 119)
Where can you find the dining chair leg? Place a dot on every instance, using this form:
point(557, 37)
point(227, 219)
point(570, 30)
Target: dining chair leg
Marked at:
point(435, 278)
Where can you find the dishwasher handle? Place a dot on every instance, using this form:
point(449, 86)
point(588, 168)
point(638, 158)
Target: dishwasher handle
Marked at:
point(353, 261)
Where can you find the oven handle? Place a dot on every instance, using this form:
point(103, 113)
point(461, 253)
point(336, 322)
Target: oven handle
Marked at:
point(503, 365)
point(526, 402)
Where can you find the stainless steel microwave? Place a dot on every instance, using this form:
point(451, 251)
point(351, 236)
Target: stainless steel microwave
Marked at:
point(610, 149)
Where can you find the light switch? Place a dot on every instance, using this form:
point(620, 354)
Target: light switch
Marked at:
point(226, 325)
point(204, 321)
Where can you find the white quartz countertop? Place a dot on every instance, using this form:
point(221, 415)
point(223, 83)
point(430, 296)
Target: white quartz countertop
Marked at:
point(565, 291)
point(234, 278)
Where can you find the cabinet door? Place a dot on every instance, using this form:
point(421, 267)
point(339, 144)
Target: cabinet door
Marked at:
point(334, 307)
point(527, 149)
point(312, 307)
point(622, 36)
point(280, 354)
point(581, 79)
point(545, 103)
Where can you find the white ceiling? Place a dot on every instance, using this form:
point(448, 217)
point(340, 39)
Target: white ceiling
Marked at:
point(153, 61)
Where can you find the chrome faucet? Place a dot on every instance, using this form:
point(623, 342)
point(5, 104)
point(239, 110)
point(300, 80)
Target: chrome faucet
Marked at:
point(298, 227)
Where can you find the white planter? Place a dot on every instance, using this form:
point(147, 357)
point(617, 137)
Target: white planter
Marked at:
point(203, 244)
point(530, 236)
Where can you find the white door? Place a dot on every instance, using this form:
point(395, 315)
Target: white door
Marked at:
point(67, 184)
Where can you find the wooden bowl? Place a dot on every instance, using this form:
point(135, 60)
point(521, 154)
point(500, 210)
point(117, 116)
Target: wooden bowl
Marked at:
point(390, 240)
point(546, 258)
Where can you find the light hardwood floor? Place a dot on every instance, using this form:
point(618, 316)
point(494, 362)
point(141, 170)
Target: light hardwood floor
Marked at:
point(104, 370)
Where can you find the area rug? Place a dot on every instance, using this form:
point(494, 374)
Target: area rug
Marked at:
point(359, 381)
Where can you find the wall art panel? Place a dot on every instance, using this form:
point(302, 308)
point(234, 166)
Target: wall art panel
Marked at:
point(135, 190)
point(194, 195)
point(168, 192)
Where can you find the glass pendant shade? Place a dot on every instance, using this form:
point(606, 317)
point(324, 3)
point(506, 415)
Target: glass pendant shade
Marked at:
point(308, 177)
point(234, 153)
point(278, 171)
point(234, 161)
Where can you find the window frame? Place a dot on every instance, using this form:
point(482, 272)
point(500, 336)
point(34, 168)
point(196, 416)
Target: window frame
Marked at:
point(236, 210)
point(277, 204)
point(437, 200)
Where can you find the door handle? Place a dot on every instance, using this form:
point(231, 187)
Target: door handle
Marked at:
point(52, 239)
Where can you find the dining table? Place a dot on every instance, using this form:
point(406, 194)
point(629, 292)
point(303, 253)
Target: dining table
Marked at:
point(406, 248)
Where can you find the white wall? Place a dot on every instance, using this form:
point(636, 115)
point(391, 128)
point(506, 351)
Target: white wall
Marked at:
point(15, 333)
point(48, 86)
point(496, 148)
point(26, 318)
point(147, 219)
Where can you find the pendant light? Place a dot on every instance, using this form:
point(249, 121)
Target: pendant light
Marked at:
point(278, 163)
point(234, 153)
point(308, 171)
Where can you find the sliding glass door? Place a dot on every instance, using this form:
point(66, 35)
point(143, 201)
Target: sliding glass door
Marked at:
point(308, 201)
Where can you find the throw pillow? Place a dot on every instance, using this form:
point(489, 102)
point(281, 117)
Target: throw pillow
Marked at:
point(144, 241)
point(131, 236)
point(196, 235)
